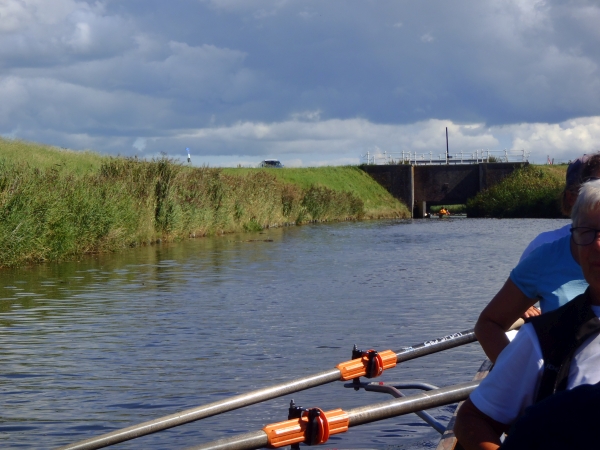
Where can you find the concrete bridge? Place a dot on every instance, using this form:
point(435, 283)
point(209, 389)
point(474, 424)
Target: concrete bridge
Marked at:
point(421, 186)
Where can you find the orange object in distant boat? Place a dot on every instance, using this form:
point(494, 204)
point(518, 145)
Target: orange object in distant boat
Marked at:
point(443, 212)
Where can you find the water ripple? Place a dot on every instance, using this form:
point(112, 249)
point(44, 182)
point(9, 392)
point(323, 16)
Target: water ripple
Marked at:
point(115, 340)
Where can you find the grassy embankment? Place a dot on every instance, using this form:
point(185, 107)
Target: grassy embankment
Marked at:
point(533, 191)
point(377, 202)
point(59, 204)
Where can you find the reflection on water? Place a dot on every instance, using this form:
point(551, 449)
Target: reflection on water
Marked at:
point(113, 340)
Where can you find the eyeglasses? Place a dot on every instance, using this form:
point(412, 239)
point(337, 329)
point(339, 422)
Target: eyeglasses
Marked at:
point(584, 235)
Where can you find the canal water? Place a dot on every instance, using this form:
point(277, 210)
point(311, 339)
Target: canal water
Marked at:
point(110, 341)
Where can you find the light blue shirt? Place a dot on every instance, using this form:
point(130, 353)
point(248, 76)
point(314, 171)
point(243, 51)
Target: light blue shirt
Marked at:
point(550, 274)
point(544, 238)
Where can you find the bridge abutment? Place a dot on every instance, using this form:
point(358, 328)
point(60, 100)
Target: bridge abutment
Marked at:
point(442, 184)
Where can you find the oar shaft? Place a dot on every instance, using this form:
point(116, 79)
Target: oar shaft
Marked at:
point(230, 404)
point(359, 416)
point(435, 345)
point(204, 411)
point(254, 439)
point(411, 403)
point(443, 343)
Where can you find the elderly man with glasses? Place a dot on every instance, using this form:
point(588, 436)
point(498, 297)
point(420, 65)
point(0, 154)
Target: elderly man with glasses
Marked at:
point(554, 352)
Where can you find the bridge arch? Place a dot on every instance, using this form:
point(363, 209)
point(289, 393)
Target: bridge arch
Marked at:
point(438, 184)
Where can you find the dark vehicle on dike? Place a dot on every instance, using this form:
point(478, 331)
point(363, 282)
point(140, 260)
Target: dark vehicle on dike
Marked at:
point(271, 163)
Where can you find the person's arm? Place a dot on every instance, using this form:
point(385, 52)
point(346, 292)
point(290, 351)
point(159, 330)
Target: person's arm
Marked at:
point(508, 305)
point(476, 431)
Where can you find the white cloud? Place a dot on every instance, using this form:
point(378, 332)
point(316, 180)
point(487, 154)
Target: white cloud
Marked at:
point(563, 141)
point(336, 142)
point(347, 139)
point(344, 141)
point(13, 16)
point(81, 39)
point(19, 15)
point(139, 144)
point(38, 33)
point(310, 80)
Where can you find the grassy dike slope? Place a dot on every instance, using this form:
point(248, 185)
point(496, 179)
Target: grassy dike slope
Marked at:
point(378, 203)
point(57, 204)
point(47, 157)
point(532, 191)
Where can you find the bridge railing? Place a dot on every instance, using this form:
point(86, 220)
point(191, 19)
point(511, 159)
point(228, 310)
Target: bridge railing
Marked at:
point(476, 157)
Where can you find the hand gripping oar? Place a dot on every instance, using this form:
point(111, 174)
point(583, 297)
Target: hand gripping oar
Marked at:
point(353, 369)
point(338, 421)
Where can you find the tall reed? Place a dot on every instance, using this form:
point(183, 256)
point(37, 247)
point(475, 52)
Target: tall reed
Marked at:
point(51, 214)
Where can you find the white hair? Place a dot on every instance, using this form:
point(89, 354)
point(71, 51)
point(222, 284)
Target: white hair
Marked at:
point(587, 201)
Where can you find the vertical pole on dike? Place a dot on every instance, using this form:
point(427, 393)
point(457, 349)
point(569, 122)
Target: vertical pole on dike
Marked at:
point(447, 151)
point(412, 191)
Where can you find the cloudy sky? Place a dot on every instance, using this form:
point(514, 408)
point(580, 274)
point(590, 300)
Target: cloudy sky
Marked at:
point(309, 82)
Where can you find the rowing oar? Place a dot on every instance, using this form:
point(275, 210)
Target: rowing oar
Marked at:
point(261, 395)
point(314, 432)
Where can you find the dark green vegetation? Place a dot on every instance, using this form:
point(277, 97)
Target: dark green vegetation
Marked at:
point(532, 191)
point(57, 204)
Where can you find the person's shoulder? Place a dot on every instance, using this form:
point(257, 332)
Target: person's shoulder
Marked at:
point(545, 266)
point(552, 235)
point(551, 249)
point(545, 238)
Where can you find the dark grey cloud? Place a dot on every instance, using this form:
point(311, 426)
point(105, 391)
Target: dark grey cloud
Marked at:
point(114, 73)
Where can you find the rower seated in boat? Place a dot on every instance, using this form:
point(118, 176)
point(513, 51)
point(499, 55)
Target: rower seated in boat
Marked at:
point(443, 212)
point(547, 272)
point(554, 352)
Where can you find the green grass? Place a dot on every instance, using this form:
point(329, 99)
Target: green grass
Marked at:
point(47, 157)
point(378, 203)
point(57, 204)
point(532, 191)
